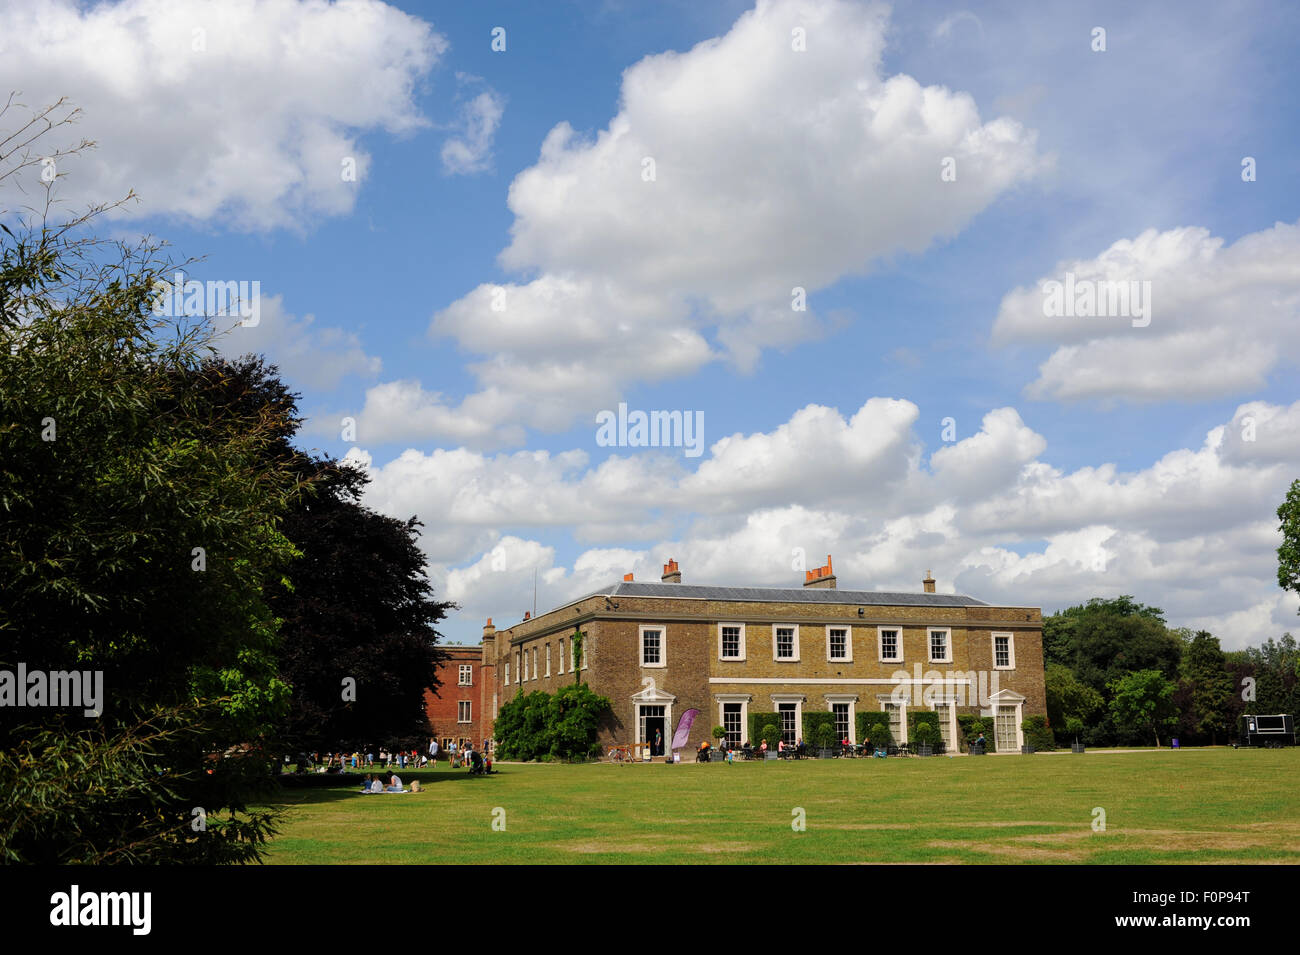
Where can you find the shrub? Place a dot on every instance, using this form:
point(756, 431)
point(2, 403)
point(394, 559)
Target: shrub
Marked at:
point(813, 721)
point(758, 722)
point(540, 726)
point(1038, 734)
point(771, 734)
point(925, 733)
point(880, 735)
point(826, 737)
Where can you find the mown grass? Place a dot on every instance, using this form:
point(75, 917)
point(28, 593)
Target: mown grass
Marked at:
point(1161, 807)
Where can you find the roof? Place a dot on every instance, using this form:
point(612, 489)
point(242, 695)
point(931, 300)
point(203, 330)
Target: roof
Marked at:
point(809, 595)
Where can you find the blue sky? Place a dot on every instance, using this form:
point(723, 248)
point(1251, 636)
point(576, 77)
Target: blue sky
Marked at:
point(1087, 457)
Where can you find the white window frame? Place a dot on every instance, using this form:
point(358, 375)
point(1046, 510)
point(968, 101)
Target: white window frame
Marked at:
point(795, 648)
point(852, 700)
point(465, 707)
point(1011, 650)
point(521, 663)
point(880, 644)
point(507, 672)
point(535, 676)
point(947, 644)
point(548, 661)
point(466, 670)
point(848, 643)
point(744, 700)
point(736, 659)
point(640, 642)
point(902, 717)
point(797, 699)
point(562, 656)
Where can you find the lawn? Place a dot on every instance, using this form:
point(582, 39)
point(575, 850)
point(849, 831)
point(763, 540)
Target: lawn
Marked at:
point(1161, 807)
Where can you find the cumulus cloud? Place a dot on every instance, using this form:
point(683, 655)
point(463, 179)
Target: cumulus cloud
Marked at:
point(1194, 532)
point(240, 115)
point(1223, 318)
point(732, 175)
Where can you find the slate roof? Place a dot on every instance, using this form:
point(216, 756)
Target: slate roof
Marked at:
point(810, 595)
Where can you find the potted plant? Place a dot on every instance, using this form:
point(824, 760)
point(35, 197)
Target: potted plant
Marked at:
point(1074, 726)
point(825, 741)
point(880, 737)
point(924, 739)
point(719, 734)
point(772, 736)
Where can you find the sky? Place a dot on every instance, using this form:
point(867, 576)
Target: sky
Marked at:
point(836, 238)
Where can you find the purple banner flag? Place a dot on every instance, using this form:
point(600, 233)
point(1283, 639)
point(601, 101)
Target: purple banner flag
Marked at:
point(684, 728)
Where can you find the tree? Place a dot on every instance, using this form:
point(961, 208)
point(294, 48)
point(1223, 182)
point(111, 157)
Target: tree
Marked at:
point(1276, 665)
point(1209, 687)
point(358, 646)
point(1142, 702)
point(1288, 552)
point(139, 532)
point(1070, 704)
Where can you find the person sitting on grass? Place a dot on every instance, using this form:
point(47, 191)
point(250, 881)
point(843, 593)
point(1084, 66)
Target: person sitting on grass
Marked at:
point(377, 785)
point(394, 783)
point(365, 783)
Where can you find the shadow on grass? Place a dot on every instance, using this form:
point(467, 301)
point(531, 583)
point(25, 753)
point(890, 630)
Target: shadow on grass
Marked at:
point(297, 796)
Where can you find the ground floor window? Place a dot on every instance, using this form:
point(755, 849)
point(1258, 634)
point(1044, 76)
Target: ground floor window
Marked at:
point(731, 723)
point(943, 711)
point(1005, 729)
point(841, 711)
point(789, 721)
point(895, 711)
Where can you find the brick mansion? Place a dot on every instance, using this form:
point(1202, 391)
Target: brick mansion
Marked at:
point(658, 649)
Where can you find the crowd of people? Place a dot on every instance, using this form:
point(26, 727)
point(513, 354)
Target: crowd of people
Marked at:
point(456, 755)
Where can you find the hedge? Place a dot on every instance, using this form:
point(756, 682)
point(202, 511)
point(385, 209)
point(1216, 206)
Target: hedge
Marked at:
point(1038, 733)
point(756, 723)
point(970, 725)
point(814, 720)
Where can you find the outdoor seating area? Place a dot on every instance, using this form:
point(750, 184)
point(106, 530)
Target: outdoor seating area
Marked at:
point(842, 751)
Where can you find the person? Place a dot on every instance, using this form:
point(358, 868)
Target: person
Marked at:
point(703, 756)
point(981, 744)
point(451, 753)
point(365, 783)
point(394, 783)
point(800, 749)
point(762, 748)
point(467, 754)
point(377, 786)
point(433, 752)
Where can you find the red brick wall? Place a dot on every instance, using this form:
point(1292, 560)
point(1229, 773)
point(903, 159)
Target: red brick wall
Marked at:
point(443, 709)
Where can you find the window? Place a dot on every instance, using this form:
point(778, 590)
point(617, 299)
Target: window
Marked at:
point(891, 646)
point(462, 711)
point(731, 641)
point(561, 656)
point(520, 663)
point(841, 711)
point(652, 647)
point(785, 643)
point(534, 663)
point(467, 674)
point(789, 713)
point(897, 728)
point(1004, 652)
point(507, 673)
point(548, 659)
point(939, 647)
point(839, 646)
point(731, 723)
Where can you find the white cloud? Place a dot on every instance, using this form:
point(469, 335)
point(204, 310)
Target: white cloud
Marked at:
point(239, 115)
point(1223, 318)
point(773, 169)
point(308, 355)
point(1194, 532)
point(471, 150)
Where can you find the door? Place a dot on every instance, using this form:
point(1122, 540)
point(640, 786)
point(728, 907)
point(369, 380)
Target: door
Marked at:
point(1005, 730)
point(652, 729)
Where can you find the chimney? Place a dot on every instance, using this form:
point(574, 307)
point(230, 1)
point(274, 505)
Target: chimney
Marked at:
point(627, 577)
point(488, 629)
point(822, 577)
point(672, 573)
point(528, 614)
point(489, 643)
point(928, 583)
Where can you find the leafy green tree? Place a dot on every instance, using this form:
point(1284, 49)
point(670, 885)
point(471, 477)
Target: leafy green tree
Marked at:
point(1207, 688)
point(1069, 702)
point(1288, 552)
point(574, 714)
point(1142, 702)
point(1276, 666)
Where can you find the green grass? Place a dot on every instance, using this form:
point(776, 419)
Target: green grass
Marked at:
point(1162, 807)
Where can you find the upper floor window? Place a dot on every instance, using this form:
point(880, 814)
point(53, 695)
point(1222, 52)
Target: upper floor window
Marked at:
point(940, 651)
point(838, 644)
point(652, 647)
point(891, 645)
point(463, 711)
point(1004, 652)
point(785, 640)
point(467, 674)
point(548, 659)
point(731, 637)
